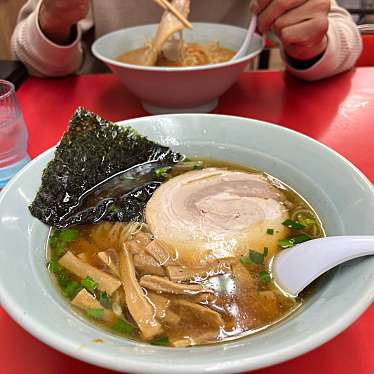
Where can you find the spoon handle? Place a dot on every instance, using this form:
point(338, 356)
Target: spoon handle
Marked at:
point(294, 268)
point(251, 30)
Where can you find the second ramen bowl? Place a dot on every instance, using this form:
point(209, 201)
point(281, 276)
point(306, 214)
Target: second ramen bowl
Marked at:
point(181, 89)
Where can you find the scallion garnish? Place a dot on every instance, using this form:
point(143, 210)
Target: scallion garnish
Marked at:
point(62, 279)
point(59, 249)
point(270, 231)
point(257, 257)
point(113, 208)
point(245, 260)
point(95, 313)
point(60, 239)
point(105, 300)
point(68, 235)
point(305, 221)
point(162, 340)
point(296, 225)
point(254, 257)
point(53, 266)
point(265, 277)
point(123, 327)
point(89, 284)
point(309, 221)
point(71, 289)
point(290, 242)
point(162, 172)
point(53, 240)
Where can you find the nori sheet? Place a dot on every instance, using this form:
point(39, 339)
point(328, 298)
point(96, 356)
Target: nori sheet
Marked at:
point(92, 150)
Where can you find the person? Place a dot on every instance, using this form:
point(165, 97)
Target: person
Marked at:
point(52, 38)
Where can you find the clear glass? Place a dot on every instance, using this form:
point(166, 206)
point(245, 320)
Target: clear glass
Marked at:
point(13, 133)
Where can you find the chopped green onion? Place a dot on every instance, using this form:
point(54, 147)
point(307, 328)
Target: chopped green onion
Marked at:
point(62, 279)
point(95, 313)
point(68, 235)
point(89, 284)
point(290, 242)
point(71, 289)
point(265, 277)
point(309, 221)
point(301, 219)
point(162, 340)
point(59, 249)
point(113, 208)
point(301, 239)
point(53, 240)
point(306, 221)
point(123, 327)
point(256, 257)
point(53, 266)
point(270, 231)
point(296, 225)
point(105, 300)
point(245, 260)
point(59, 240)
point(285, 243)
point(162, 172)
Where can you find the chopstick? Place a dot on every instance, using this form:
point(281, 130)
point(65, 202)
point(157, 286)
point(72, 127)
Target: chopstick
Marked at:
point(164, 4)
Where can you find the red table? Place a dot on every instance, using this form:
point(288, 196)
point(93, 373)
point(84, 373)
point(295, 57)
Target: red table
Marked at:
point(338, 112)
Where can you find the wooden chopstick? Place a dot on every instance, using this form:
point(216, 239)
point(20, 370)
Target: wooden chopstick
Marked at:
point(164, 4)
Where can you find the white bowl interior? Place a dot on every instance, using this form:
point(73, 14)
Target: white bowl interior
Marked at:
point(341, 195)
point(112, 45)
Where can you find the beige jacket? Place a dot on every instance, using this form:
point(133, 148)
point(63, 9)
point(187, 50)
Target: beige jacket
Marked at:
point(44, 58)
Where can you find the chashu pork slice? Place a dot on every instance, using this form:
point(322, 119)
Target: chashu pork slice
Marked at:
point(216, 213)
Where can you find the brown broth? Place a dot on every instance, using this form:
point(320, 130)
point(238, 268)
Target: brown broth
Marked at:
point(244, 301)
point(194, 54)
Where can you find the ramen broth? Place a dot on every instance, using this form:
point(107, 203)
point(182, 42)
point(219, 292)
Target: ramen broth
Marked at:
point(191, 305)
point(193, 54)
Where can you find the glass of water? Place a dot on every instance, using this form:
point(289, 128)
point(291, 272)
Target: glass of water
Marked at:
point(13, 134)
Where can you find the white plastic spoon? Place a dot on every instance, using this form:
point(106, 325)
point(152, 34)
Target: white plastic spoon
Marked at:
point(294, 268)
point(248, 38)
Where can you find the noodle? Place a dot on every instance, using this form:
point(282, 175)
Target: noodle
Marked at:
point(191, 54)
point(114, 234)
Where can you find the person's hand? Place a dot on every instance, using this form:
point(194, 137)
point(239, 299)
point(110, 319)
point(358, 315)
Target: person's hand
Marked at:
point(56, 18)
point(301, 25)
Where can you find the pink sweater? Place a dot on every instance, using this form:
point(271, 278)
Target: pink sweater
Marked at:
point(44, 58)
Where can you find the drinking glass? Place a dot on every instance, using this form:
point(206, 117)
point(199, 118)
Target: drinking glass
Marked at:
point(13, 134)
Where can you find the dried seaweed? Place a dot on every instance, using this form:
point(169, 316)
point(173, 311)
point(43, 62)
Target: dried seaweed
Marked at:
point(91, 151)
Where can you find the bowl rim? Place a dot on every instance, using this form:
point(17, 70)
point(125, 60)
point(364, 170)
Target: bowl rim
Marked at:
point(45, 335)
point(162, 69)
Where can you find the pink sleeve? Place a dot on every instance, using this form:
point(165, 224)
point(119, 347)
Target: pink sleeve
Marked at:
point(343, 49)
point(41, 56)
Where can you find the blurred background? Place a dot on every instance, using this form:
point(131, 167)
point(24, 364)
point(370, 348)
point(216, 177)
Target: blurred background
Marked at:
point(8, 16)
point(362, 11)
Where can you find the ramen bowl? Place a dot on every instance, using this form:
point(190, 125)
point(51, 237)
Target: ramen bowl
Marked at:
point(344, 200)
point(180, 89)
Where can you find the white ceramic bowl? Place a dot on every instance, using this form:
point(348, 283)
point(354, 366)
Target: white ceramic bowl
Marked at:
point(171, 90)
point(342, 196)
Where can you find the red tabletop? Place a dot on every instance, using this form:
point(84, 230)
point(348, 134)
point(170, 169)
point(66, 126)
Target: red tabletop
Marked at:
point(339, 112)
